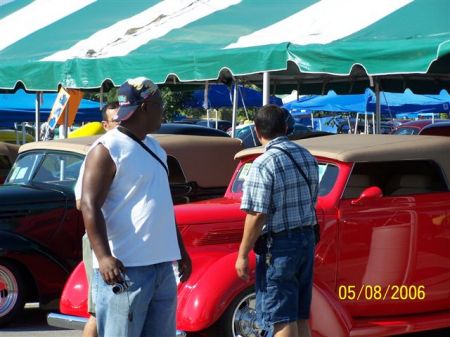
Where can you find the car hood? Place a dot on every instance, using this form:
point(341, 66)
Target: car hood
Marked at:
point(27, 194)
point(209, 211)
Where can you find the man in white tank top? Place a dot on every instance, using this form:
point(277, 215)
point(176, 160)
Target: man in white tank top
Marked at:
point(129, 218)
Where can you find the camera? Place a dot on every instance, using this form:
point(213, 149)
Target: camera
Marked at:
point(118, 288)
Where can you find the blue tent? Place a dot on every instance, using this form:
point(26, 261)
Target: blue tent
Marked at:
point(391, 103)
point(20, 107)
point(219, 95)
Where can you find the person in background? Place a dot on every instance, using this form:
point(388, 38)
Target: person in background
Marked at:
point(90, 329)
point(129, 218)
point(280, 205)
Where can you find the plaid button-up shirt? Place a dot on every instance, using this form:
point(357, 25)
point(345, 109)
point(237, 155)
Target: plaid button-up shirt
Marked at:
point(274, 187)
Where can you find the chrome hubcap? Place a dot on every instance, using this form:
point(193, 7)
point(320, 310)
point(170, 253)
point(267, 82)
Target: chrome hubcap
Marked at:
point(8, 291)
point(244, 319)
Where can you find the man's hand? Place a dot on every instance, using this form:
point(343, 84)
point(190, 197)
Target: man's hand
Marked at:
point(242, 267)
point(184, 267)
point(111, 269)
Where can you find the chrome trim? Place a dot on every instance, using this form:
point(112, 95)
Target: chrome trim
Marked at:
point(66, 321)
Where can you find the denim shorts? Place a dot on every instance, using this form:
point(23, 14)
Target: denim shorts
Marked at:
point(284, 288)
point(146, 309)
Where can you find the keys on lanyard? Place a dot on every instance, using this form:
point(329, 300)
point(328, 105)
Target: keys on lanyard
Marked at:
point(268, 253)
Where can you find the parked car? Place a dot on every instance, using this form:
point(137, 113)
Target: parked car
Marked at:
point(40, 229)
point(189, 129)
point(436, 129)
point(348, 127)
point(415, 127)
point(8, 154)
point(221, 124)
point(248, 135)
point(382, 266)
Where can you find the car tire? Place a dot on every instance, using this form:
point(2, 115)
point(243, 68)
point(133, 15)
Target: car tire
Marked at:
point(12, 289)
point(240, 317)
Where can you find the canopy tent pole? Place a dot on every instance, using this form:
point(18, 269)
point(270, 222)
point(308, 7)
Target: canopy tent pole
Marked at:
point(205, 102)
point(235, 103)
point(266, 87)
point(377, 107)
point(37, 116)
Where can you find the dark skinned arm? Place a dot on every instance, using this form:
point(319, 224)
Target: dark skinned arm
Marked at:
point(185, 264)
point(254, 223)
point(98, 176)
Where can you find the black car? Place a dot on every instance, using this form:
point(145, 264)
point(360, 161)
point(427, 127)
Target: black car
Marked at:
point(221, 124)
point(190, 129)
point(40, 228)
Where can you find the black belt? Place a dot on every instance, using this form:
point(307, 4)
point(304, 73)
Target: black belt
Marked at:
point(292, 230)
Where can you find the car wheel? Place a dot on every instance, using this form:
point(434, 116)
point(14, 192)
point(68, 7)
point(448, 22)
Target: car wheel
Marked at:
point(11, 292)
point(240, 317)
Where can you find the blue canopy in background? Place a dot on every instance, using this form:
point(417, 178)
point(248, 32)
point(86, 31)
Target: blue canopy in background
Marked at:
point(219, 96)
point(20, 107)
point(392, 104)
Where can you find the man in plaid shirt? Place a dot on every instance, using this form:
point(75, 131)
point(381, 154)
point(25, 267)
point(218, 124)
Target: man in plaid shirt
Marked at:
point(279, 196)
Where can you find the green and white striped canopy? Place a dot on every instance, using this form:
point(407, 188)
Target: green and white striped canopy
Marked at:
point(304, 43)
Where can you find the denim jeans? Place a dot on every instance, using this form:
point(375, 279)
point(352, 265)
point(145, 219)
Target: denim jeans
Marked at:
point(146, 309)
point(284, 288)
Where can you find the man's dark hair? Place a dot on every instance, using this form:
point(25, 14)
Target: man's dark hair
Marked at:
point(113, 105)
point(270, 121)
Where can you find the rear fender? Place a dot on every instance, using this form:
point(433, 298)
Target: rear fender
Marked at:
point(209, 291)
point(338, 322)
point(74, 297)
point(38, 261)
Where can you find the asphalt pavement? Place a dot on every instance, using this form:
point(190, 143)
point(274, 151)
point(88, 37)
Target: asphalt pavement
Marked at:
point(33, 323)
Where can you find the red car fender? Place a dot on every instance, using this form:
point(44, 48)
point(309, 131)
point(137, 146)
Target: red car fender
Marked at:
point(328, 316)
point(205, 296)
point(74, 296)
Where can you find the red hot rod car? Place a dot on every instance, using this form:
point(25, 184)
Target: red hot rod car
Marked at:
point(382, 266)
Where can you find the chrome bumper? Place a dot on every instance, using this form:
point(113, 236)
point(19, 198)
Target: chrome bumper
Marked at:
point(77, 323)
point(66, 321)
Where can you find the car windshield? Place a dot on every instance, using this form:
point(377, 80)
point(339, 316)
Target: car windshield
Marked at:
point(58, 168)
point(327, 178)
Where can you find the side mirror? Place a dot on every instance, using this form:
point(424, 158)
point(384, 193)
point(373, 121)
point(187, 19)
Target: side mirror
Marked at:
point(370, 193)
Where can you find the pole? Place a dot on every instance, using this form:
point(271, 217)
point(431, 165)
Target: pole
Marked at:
point(266, 88)
point(37, 116)
point(378, 107)
point(205, 102)
point(235, 102)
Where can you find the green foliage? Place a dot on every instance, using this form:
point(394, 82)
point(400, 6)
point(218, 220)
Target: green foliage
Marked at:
point(173, 102)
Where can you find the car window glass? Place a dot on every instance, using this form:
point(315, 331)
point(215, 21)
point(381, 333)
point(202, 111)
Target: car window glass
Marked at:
point(24, 168)
point(240, 178)
point(59, 168)
point(176, 175)
point(396, 178)
point(327, 178)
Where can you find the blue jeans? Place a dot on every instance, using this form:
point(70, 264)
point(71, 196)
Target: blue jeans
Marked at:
point(284, 288)
point(146, 309)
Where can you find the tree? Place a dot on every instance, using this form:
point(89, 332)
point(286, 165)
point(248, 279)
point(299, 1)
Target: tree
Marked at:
point(173, 102)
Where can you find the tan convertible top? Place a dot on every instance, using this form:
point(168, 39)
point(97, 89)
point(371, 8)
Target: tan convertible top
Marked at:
point(364, 148)
point(10, 150)
point(205, 160)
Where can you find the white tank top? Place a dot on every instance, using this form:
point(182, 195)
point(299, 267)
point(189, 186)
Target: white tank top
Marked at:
point(138, 209)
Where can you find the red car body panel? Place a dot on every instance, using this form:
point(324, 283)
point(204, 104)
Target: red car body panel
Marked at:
point(365, 242)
